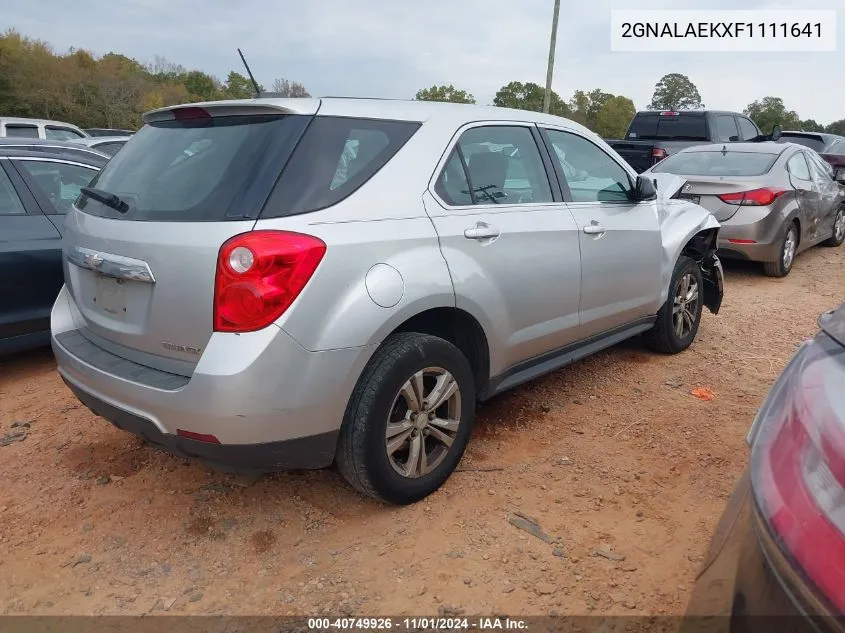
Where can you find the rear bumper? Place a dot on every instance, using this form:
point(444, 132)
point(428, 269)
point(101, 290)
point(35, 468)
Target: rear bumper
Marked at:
point(747, 585)
point(314, 451)
point(767, 234)
point(271, 404)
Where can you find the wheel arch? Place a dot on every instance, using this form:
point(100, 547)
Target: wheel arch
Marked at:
point(461, 329)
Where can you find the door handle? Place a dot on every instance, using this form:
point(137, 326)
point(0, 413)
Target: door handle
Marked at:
point(594, 228)
point(481, 231)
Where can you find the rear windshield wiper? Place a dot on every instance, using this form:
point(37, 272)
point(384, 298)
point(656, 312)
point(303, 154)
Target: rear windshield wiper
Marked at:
point(109, 199)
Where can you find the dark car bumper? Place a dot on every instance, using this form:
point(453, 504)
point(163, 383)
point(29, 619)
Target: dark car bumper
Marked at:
point(746, 585)
point(311, 452)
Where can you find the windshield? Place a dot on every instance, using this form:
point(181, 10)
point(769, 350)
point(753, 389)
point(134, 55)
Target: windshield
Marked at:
point(715, 163)
point(692, 127)
point(195, 170)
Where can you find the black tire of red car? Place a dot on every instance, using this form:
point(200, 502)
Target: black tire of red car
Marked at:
point(363, 456)
point(664, 336)
point(783, 265)
point(838, 221)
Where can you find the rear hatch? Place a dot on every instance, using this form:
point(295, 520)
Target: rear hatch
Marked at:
point(141, 266)
point(721, 181)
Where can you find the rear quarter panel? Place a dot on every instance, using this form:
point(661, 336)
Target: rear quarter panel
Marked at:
point(383, 223)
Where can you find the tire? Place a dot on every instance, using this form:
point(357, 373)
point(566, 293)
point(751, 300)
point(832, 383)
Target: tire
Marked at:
point(663, 337)
point(783, 265)
point(838, 229)
point(362, 454)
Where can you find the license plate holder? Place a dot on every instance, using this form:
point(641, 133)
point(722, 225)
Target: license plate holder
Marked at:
point(111, 295)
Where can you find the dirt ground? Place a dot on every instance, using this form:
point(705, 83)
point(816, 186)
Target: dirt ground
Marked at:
point(613, 453)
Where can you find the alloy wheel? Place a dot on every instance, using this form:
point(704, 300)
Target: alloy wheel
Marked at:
point(685, 305)
point(789, 245)
point(423, 423)
point(839, 226)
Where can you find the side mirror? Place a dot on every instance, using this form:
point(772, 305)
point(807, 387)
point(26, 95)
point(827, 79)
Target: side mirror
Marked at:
point(839, 175)
point(776, 130)
point(645, 189)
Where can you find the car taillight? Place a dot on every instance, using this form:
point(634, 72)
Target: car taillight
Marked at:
point(259, 275)
point(798, 465)
point(754, 198)
point(658, 154)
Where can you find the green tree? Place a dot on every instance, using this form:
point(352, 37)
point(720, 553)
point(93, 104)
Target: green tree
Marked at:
point(837, 127)
point(529, 96)
point(444, 93)
point(615, 116)
point(239, 87)
point(108, 91)
point(675, 92)
point(811, 126)
point(771, 111)
point(201, 86)
point(585, 106)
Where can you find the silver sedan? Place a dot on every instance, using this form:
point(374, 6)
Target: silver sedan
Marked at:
point(773, 200)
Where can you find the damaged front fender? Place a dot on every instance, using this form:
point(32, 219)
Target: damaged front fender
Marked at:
point(688, 229)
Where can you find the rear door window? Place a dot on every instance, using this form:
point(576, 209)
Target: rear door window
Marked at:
point(335, 157)
point(452, 185)
point(798, 168)
point(58, 183)
point(61, 133)
point(726, 128)
point(10, 203)
point(21, 131)
point(747, 129)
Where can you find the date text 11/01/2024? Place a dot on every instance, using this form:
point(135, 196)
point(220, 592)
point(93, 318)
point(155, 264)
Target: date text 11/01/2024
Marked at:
point(721, 30)
point(417, 624)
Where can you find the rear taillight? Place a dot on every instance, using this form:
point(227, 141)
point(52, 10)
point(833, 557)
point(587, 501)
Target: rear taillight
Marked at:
point(798, 465)
point(259, 275)
point(754, 198)
point(658, 154)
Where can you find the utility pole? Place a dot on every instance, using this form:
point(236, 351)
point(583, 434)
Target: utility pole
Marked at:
point(547, 98)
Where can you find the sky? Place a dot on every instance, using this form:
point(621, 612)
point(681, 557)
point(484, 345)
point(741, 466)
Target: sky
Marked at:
point(385, 48)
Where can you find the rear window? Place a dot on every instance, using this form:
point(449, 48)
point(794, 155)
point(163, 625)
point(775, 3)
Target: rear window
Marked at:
point(336, 156)
point(21, 131)
point(682, 127)
point(716, 164)
point(198, 170)
point(813, 142)
point(228, 168)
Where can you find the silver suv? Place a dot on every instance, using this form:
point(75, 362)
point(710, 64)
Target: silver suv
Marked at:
point(283, 284)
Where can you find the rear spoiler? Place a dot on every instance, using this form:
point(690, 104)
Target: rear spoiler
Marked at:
point(233, 107)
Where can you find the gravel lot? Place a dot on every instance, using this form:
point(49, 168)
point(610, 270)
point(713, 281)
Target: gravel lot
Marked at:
point(611, 454)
